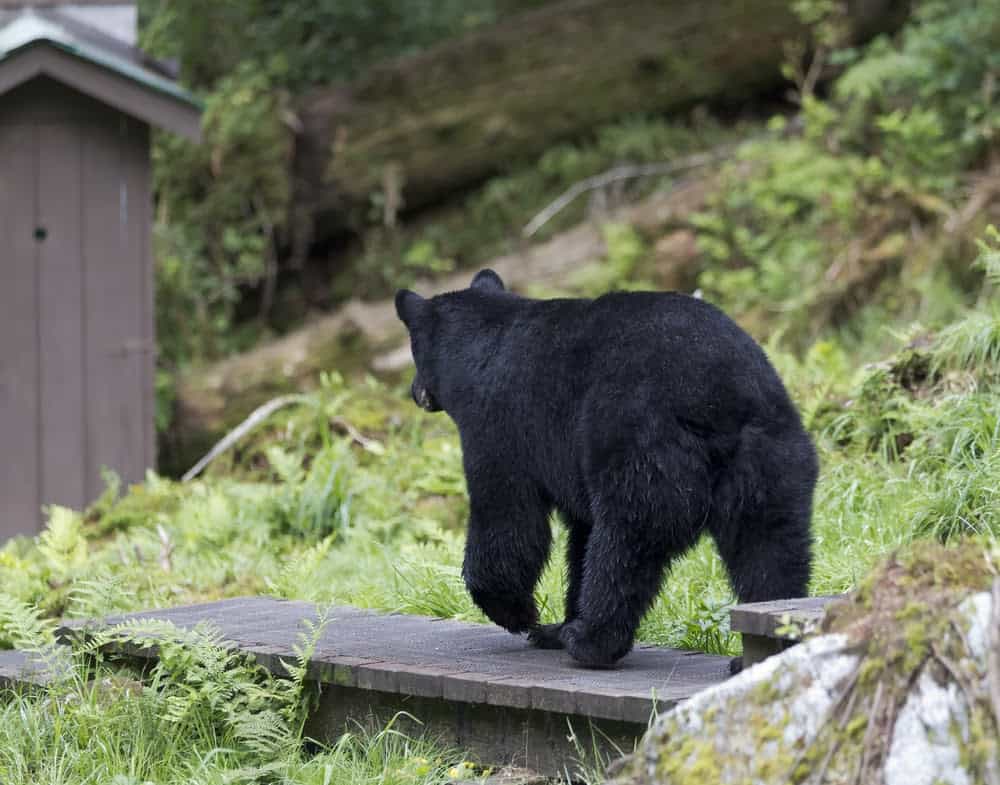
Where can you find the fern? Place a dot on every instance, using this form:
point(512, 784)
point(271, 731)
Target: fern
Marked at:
point(296, 702)
point(106, 593)
point(989, 255)
point(62, 543)
point(201, 680)
point(22, 625)
point(973, 343)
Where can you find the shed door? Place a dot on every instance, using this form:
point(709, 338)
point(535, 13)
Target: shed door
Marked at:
point(75, 313)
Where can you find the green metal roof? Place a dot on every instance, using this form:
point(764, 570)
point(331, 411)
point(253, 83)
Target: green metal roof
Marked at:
point(24, 29)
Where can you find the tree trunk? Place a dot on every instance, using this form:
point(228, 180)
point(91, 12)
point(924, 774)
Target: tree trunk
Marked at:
point(431, 123)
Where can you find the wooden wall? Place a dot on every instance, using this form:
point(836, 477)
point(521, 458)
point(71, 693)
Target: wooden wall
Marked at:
point(76, 301)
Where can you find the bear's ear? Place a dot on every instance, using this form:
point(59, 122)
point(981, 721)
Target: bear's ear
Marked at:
point(487, 281)
point(409, 306)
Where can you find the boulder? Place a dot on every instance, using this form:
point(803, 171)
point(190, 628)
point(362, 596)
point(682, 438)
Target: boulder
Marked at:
point(901, 686)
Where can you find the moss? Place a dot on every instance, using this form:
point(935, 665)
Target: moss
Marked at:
point(917, 638)
point(981, 746)
point(904, 614)
point(912, 610)
point(695, 762)
point(765, 692)
point(856, 725)
point(870, 670)
point(774, 768)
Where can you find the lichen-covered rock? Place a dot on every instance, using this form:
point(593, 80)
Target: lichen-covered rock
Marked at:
point(900, 686)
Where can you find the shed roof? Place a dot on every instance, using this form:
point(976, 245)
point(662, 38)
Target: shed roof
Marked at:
point(42, 41)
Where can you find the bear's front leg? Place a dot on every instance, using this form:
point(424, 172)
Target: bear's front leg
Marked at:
point(549, 636)
point(506, 548)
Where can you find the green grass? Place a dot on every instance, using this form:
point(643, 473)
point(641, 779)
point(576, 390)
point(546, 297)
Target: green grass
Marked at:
point(201, 714)
point(908, 447)
point(831, 244)
point(115, 732)
point(307, 513)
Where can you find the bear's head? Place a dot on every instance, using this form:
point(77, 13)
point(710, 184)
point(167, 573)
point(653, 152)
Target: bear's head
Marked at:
point(432, 324)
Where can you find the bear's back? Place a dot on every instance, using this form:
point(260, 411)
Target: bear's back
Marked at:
point(656, 350)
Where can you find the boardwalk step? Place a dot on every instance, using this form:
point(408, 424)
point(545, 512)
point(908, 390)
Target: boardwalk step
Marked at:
point(18, 668)
point(473, 686)
point(769, 627)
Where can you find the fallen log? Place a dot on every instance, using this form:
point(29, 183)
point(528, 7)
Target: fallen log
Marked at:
point(425, 125)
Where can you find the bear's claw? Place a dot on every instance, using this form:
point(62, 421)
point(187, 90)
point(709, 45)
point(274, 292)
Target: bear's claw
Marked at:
point(546, 636)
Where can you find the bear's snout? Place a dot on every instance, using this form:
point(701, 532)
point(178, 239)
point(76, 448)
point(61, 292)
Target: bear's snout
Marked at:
point(423, 398)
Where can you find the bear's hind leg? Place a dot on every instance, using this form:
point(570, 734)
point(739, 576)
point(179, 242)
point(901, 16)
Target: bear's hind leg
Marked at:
point(769, 557)
point(649, 509)
point(761, 517)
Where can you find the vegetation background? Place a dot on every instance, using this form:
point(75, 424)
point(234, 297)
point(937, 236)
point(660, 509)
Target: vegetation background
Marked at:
point(844, 221)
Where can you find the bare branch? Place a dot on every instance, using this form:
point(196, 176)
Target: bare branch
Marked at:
point(166, 549)
point(622, 173)
point(372, 445)
point(257, 416)
point(869, 734)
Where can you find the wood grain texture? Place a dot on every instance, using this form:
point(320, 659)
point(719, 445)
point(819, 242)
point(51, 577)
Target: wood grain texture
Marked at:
point(60, 315)
point(473, 687)
point(19, 350)
point(764, 618)
point(113, 293)
point(454, 661)
point(21, 670)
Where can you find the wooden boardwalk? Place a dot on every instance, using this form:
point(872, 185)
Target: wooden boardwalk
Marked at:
point(456, 661)
point(20, 669)
point(471, 685)
point(760, 624)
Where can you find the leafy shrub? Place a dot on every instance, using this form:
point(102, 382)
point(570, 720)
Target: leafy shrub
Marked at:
point(223, 205)
point(811, 227)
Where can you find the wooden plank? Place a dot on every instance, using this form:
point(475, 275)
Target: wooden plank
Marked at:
point(51, 3)
point(62, 404)
point(471, 663)
point(140, 172)
point(757, 648)
point(18, 669)
point(44, 101)
point(19, 368)
point(553, 744)
point(765, 618)
point(136, 198)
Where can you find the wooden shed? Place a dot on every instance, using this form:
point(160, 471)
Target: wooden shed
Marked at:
point(77, 101)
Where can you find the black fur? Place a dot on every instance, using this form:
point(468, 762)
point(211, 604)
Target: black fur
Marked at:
point(645, 419)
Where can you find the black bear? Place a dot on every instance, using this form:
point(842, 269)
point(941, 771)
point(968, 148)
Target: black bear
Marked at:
point(644, 418)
